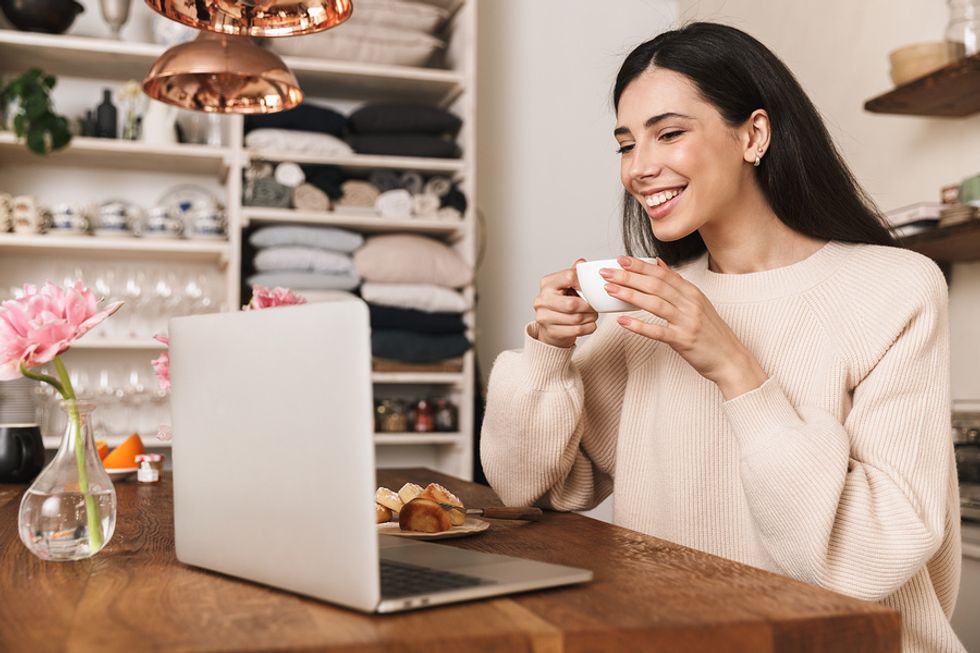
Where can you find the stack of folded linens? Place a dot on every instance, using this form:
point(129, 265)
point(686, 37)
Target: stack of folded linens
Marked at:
point(404, 129)
point(306, 259)
point(411, 286)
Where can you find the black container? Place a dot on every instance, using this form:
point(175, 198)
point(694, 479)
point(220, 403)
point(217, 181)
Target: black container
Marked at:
point(106, 117)
point(50, 16)
point(21, 453)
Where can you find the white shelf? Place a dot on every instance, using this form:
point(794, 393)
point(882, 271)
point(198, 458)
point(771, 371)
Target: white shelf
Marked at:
point(149, 441)
point(417, 438)
point(106, 344)
point(354, 221)
point(80, 56)
point(118, 154)
point(436, 378)
point(119, 247)
point(365, 161)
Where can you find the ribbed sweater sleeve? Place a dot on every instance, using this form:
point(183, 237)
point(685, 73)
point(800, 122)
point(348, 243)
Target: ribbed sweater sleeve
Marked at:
point(858, 507)
point(550, 428)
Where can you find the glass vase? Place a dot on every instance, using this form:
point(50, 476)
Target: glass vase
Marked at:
point(69, 512)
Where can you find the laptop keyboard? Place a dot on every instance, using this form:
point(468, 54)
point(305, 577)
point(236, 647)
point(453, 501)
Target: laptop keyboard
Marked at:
point(399, 579)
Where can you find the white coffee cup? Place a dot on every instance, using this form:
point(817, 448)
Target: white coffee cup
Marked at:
point(593, 286)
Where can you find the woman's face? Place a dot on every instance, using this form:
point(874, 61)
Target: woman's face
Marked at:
point(679, 158)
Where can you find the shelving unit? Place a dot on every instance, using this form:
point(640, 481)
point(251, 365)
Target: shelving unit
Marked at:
point(959, 243)
point(951, 91)
point(323, 81)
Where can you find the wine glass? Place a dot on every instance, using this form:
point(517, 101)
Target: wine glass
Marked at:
point(115, 13)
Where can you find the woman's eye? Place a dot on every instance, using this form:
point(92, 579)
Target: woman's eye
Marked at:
point(669, 136)
point(623, 149)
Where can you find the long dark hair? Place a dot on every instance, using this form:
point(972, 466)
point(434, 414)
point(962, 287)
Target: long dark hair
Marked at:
point(802, 175)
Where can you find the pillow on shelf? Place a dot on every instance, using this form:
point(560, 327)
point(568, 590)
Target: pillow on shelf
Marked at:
point(407, 258)
point(409, 319)
point(412, 347)
point(405, 145)
point(289, 141)
point(329, 238)
point(414, 16)
point(370, 44)
point(299, 281)
point(309, 259)
point(305, 117)
point(418, 296)
point(403, 117)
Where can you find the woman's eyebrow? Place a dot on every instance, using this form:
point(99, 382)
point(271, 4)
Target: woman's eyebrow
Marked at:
point(651, 121)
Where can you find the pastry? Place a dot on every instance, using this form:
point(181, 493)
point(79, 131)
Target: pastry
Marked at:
point(424, 515)
point(409, 491)
point(388, 499)
point(439, 494)
point(382, 513)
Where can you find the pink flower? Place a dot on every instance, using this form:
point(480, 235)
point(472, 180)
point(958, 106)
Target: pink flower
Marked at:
point(43, 323)
point(262, 297)
point(161, 365)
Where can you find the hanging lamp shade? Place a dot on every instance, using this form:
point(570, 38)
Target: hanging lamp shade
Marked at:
point(222, 74)
point(260, 18)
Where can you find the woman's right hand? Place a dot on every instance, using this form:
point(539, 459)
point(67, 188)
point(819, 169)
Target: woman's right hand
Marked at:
point(562, 316)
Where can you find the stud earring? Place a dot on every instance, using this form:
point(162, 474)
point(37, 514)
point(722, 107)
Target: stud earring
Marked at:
point(758, 158)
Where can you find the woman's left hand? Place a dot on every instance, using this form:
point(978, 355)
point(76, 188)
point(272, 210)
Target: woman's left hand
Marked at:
point(693, 327)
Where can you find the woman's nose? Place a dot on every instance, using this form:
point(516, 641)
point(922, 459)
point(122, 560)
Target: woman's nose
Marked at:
point(644, 163)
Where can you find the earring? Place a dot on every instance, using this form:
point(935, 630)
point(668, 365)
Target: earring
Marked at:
point(758, 158)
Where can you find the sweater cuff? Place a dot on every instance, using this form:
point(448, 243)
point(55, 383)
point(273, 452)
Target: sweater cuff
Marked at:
point(756, 414)
point(544, 364)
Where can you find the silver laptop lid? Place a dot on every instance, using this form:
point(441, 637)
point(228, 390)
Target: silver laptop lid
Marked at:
point(273, 453)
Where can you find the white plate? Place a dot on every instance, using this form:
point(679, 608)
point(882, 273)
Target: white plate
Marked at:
point(120, 473)
point(471, 526)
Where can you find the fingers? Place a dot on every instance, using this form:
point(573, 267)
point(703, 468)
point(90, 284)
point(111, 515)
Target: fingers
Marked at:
point(652, 331)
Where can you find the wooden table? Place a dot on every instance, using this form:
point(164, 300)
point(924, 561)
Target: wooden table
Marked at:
point(648, 595)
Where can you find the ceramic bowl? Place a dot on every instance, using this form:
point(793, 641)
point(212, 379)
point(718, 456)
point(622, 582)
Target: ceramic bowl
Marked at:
point(914, 61)
point(51, 16)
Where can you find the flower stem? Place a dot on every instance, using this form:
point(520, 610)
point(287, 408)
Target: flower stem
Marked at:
point(68, 392)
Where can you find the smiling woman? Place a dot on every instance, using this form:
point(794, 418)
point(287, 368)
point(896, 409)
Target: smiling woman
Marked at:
point(781, 398)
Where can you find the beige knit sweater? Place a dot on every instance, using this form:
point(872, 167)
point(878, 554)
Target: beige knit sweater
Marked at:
point(837, 471)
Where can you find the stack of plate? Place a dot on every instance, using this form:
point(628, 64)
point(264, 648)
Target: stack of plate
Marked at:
point(957, 213)
point(17, 406)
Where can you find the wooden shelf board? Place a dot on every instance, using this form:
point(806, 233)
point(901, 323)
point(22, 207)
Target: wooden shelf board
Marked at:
point(80, 56)
point(121, 155)
point(365, 161)
point(958, 243)
point(353, 221)
point(417, 438)
point(439, 378)
point(11, 244)
point(953, 92)
point(105, 344)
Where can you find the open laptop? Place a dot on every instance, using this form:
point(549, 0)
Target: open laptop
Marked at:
point(274, 473)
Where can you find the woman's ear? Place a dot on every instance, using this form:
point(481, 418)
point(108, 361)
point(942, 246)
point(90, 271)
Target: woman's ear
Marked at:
point(756, 133)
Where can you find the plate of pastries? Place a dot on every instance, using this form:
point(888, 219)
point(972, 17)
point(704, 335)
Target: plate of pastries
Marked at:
point(422, 513)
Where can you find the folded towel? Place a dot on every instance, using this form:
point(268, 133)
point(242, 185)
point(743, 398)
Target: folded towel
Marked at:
point(359, 193)
point(302, 259)
point(329, 238)
point(407, 319)
point(408, 258)
point(438, 186)
point(307, 197)
point(394, 204)
point(403, 118)
point(305, 280)
point(456, 199)
point(266, 192)
point(421, 145)
point(425, 205)
point(305, 117)
point(447, 365)
point(412, 347)
point(419, 296)
point(412, 182)
point(385, 180)
point(297, 142)
point(289, 174)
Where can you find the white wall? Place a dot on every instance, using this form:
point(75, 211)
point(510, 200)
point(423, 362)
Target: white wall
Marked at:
point(838, 49)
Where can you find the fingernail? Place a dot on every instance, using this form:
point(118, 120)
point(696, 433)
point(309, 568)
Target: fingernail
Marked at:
point(625, 261)
point(611, 289)
point(605, 273)
point(623, 321)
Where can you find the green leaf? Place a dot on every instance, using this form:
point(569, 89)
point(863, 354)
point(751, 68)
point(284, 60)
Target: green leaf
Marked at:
point(36, 142)
point(19, 124)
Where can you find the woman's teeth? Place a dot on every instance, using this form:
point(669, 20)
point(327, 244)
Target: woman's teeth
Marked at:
point(659, 198)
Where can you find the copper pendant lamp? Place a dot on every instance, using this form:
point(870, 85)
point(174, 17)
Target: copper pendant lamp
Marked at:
point(259, 18)
point(222, 74)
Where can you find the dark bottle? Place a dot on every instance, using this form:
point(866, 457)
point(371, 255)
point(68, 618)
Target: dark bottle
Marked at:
point(446, 416)
point(106, 117)
point(424, 418)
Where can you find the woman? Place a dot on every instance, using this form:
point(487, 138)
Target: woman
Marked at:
point(782, 398)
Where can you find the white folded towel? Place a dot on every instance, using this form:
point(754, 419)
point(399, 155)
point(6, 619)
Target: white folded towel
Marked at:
point(425, 205)
point(293, 141)
point(394, 204)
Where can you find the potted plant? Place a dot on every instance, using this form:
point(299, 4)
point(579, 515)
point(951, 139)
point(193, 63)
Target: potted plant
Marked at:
point(27, 101)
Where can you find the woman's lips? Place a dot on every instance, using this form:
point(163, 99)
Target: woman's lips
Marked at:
point(663, 209)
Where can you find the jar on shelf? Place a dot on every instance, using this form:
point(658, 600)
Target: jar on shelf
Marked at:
point(424, 417)
point(964, 24)
point(446, 416)
point(396, 418)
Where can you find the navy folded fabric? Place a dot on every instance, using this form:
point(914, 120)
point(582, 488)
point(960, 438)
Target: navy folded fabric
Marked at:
point(326, 178)
point(410, 347)
point(305, 117)
point(454, 198)
point(406, 319)
point(404, 145)
point(403, 118)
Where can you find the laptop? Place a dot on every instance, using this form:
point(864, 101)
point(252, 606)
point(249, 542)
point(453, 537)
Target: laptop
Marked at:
point(274, 471)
